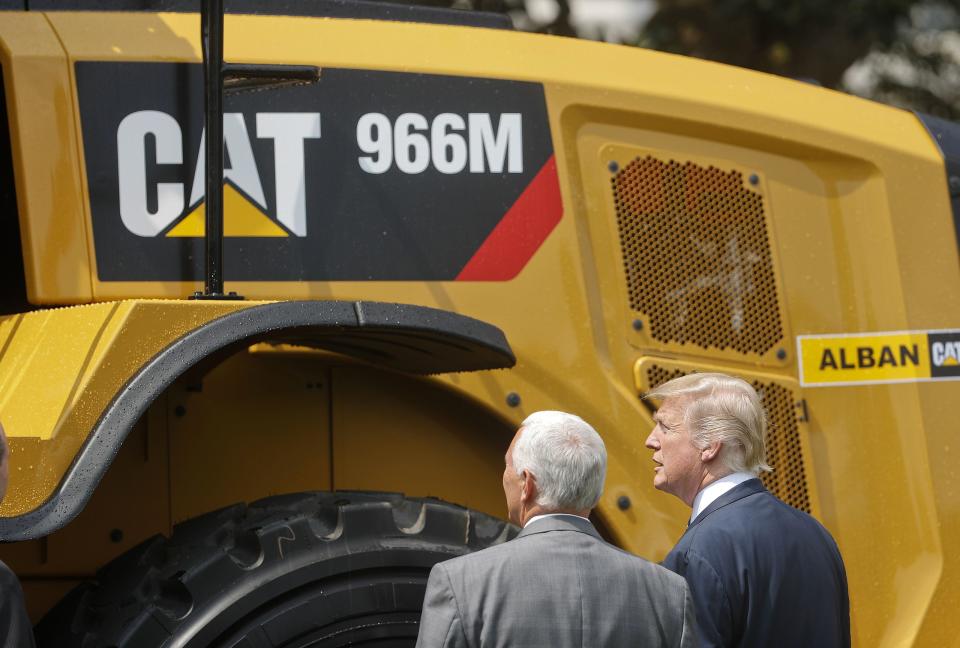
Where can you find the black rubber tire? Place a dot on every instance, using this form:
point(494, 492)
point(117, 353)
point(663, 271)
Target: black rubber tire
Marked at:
point(309, 569)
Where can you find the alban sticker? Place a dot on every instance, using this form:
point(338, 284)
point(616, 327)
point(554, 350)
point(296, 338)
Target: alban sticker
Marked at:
point(888, 357)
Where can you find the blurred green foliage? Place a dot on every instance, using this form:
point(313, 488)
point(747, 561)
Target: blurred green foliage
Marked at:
point(813, 39)
point(902, 52)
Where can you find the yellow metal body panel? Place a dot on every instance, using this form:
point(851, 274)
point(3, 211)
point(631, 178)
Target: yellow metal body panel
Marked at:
point(131, 505)
point(59, 369)
point(860, 234)
point(44, 140)
point(259, 426)
point(703, 103)
point(452, 449)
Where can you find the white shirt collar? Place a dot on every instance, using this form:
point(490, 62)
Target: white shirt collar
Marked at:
point(708, 494)
point(546, 515)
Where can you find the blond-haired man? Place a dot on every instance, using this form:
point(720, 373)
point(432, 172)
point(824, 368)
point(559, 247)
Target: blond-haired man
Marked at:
point(761, 573)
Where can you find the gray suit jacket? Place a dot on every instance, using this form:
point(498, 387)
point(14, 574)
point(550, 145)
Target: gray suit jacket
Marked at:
point(556, 585)
point(16, 630)
point(763, 574)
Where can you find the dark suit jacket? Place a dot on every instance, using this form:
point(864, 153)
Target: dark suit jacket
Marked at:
point(556, 585)
point(15, 628)
point(763, 574)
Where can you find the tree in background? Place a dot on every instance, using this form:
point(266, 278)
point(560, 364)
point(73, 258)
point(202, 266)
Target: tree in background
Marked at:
point(902, 52)
point(920, 70)
point(560, 26)
point(808, 39)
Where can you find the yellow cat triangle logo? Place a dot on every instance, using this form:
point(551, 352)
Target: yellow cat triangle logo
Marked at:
point(240, 218)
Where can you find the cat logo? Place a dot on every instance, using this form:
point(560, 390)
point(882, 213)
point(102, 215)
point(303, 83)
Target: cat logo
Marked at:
point(244, 201)
point(860, 359)
point(364, 176)
point(945, 354)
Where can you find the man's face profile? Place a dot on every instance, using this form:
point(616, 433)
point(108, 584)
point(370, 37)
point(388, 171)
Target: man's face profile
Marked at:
point(512, 484)
point(679, 466)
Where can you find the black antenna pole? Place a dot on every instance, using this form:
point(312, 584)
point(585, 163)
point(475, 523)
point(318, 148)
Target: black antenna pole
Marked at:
point(211, 30)
point(239, 78)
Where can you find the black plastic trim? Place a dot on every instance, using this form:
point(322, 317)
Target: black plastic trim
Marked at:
point(363, 9)
point(946, 135)
point(13, 292)
point(414, 339)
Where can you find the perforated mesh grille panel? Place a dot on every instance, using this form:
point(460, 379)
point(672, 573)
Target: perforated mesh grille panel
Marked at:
point(697, 256)
point(788, 481)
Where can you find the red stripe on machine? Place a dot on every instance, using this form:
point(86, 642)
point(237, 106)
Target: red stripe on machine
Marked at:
point(520, 232)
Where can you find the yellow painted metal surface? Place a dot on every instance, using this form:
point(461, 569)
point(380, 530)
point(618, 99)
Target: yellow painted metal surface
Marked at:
point(860, 232)
point(724, 107)
point(452, 449)
point(44, 140)
point(131, 505)
point(59, 369)
point(256, 425)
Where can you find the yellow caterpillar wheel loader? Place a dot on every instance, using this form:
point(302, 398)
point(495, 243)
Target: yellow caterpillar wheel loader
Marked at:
point(266, 269)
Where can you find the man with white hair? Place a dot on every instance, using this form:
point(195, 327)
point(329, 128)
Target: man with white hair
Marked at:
point(557, 584)
point(761, 573)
